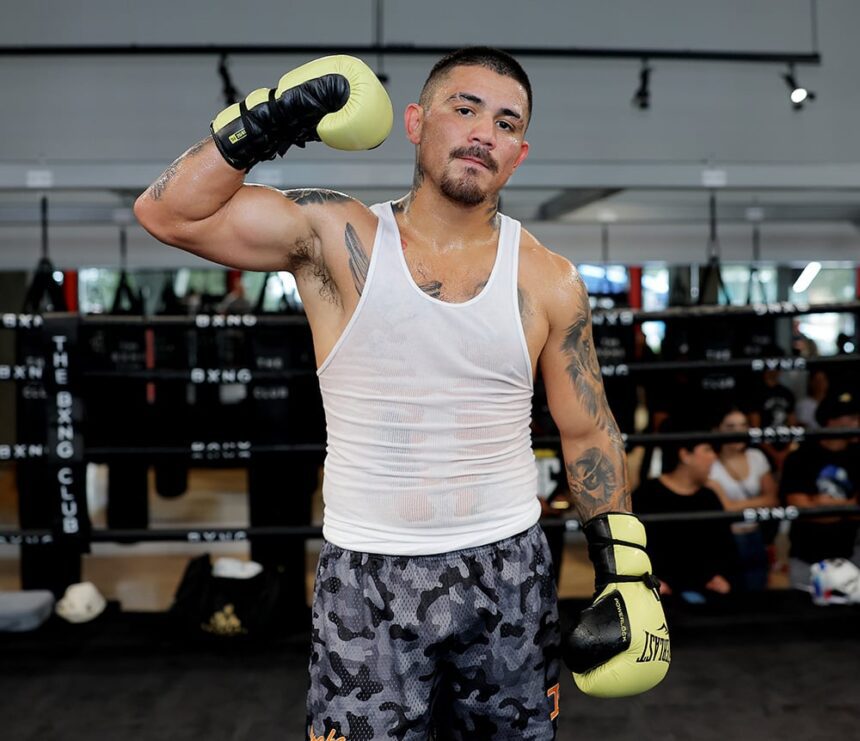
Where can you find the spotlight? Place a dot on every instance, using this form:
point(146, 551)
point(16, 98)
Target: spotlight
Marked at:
point(797, 93)
point(642, 96)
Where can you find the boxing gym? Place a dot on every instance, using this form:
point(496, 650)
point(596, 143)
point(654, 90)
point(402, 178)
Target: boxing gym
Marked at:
point(396, 370)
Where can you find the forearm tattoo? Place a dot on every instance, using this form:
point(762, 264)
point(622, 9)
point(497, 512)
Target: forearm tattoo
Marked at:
point(358, 260)
point(156, 190)
point(598, 476)
point(598, 482)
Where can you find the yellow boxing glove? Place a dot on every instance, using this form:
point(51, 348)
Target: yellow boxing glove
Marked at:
point(620, 645)
point(337, 100)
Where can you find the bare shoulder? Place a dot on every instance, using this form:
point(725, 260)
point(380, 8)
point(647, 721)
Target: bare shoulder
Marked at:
point(336, 258)
point(319, 197)
point(552, 280)
point(334, 217)
point(324, 206)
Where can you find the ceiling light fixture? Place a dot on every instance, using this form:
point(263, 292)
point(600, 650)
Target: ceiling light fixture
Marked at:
point(642, 96)
point(797, 93)
point(806, 277)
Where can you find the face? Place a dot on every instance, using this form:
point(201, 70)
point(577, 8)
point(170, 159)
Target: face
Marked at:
point(699, 461)
point(734, 422)
point(470, 139)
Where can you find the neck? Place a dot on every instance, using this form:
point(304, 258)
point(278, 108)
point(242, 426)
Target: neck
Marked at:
point(429, 212)
point(728, 453)
point(681, 481)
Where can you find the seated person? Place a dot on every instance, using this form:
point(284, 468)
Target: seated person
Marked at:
point(693, 559)
point(817, 386)
point(742, 478)
point(771, 404)
point(823, 473)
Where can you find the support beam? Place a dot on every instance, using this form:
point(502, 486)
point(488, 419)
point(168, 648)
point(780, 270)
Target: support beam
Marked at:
point(369, 173)
point(572, 200)
point(412, 50)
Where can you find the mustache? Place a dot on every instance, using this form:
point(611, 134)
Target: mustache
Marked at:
point(477, 153)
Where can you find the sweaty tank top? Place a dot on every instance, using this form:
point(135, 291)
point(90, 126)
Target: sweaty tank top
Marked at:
point(428, 409)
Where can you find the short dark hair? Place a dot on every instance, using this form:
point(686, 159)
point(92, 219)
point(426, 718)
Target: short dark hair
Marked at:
point(671, 450)
point(496, 60)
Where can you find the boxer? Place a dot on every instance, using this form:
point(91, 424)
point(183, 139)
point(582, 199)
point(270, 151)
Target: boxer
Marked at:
point(434, 606)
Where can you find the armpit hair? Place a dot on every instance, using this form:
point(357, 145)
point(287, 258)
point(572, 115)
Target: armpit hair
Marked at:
point(306, 258)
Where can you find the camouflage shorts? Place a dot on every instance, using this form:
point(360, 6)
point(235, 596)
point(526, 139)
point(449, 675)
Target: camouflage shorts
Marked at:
point(461, 645)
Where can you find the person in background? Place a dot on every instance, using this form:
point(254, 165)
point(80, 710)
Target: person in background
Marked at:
point(824, 473)
point(742, 478)
point(817, 386)
point(695, 560)
point(771, 404)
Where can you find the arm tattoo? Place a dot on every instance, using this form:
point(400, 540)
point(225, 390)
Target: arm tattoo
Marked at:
point(313, 196)
point(358, 262)
point(598, 482)
point(598, 477)
point(156, 190)
point(583, 368)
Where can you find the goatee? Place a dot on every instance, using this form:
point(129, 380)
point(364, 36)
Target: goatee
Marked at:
point(464, 191)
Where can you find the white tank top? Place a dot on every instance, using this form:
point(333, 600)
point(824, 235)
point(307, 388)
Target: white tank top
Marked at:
point(428, 410)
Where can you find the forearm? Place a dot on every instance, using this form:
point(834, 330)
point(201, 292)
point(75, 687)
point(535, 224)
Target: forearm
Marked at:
point(193, 188)
point(803, 501)
point(596, 469)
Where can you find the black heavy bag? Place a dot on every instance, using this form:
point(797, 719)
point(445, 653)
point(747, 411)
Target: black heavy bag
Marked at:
point(117, 409)
point(169, 402)
point(714, 341)
point(54, 566)
point(280, 488)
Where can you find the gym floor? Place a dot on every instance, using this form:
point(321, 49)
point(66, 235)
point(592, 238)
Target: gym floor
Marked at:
point(773, 668)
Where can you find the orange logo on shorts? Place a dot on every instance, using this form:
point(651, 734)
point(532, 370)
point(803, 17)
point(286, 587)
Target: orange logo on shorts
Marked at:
point(553, 693)
point(331, 736)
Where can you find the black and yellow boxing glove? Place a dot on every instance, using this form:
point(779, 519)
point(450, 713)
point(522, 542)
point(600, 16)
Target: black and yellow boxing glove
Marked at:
point(620, 644)
point(337, 100)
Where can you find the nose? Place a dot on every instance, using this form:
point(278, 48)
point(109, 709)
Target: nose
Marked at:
point(483, 132)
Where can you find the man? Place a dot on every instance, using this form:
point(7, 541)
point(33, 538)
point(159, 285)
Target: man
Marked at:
point(434, 606)
point(824, 473)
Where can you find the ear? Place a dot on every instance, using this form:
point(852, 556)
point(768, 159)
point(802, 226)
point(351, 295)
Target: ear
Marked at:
point(524, 152)
point(413, 120)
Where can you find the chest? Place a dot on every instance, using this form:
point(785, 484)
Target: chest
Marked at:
point(454, 276)
point(737, 468)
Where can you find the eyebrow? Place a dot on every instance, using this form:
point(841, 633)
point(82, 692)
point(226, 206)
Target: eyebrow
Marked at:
point(480, 102)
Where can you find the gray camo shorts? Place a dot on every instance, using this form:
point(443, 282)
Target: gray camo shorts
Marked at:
point(460, 645)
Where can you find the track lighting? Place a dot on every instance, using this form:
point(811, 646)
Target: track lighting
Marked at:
point(642, 96)
point(797, 93)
